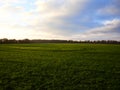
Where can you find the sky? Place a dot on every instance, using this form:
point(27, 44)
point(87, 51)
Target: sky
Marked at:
point(60, 19)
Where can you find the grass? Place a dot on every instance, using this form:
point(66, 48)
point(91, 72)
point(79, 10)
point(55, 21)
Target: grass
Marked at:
point(59, 67)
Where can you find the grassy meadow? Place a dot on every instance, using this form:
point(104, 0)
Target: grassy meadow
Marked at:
point(59, 66)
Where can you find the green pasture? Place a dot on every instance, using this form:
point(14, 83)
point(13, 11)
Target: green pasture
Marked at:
point(59, 66)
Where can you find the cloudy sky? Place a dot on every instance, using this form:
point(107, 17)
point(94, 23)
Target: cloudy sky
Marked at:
point(60, 19)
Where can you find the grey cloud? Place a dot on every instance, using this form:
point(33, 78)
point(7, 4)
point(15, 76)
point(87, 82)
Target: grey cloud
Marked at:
point(111, 9)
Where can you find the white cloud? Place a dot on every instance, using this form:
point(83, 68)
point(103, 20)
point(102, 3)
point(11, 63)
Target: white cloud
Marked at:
point(44, 20)
point(12, 1)
point(112, 22)
point(52, 15)
point(109, 30)
point(58, 8)
point(47, 19)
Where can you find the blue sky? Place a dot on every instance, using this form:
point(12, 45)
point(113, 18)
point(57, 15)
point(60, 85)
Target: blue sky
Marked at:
point(60, 19)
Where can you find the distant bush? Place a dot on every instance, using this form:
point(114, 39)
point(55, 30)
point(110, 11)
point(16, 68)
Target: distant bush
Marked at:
point(9, 41)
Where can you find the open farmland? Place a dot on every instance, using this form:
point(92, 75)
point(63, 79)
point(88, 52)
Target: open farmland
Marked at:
point(59, 66)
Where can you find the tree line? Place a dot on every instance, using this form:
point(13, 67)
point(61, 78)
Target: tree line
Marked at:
point(14, 41)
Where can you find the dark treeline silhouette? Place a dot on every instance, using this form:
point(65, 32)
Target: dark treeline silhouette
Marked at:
point(14, 41)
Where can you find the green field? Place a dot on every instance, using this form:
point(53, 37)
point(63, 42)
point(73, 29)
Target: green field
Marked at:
point(59, 67)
